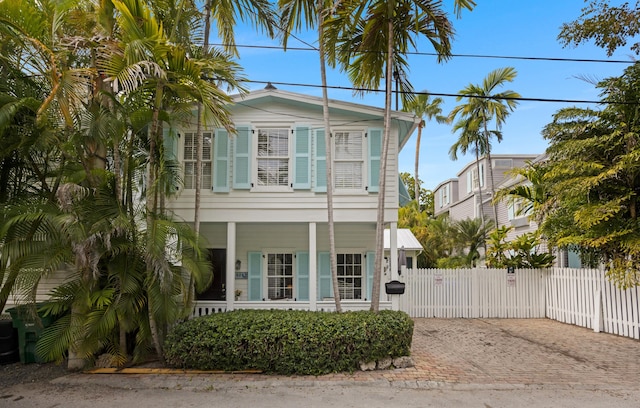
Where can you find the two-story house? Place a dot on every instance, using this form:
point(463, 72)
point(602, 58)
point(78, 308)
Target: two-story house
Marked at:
point(264, 201)
point(469, 195)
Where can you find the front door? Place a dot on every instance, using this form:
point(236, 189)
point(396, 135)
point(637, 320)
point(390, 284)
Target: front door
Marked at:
point(217, 289)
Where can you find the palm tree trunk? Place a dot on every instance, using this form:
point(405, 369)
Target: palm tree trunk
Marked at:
point(151, 208)
point(484, 242)
point(416, 182)
point(198, 186)
point(490, 169)
point(479, 183)
point(329, 161)
point(377, 271)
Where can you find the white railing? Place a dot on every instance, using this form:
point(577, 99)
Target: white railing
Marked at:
point(207, 307)
point(473, 293)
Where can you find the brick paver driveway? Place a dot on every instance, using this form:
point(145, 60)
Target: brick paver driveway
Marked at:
point(458, 353)
point(521, 351)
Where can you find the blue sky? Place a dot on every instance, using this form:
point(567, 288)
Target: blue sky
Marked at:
point(494, 27)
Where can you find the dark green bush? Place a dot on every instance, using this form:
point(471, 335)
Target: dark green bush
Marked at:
point(288, 342)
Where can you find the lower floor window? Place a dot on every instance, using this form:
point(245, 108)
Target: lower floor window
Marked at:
point(280, 276)
point(350, 276)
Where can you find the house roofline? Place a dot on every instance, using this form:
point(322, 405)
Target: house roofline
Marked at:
point(407, 122)
point(447, 181)
point(483, 158)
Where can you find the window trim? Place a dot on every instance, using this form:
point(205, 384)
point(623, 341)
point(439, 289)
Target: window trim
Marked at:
point(265, 272)
point(362, 161)
point(183, 160)
point(363, 271)
point(366, 154)
point(445, 195)
point(255, 129)
point(474, 182)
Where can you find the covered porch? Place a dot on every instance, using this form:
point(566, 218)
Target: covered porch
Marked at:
point(246, 276)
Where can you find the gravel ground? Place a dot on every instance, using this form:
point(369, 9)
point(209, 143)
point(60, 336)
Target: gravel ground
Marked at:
point(17, 373)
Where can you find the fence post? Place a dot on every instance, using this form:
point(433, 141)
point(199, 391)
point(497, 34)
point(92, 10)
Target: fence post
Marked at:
point(597, 313)
point(475, 294)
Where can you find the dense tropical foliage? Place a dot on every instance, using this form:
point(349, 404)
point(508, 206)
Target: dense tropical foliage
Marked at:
point(593, 178)
point(88, 90)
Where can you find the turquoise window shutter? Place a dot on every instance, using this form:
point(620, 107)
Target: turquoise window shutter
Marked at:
point(374, 137)
point(221, 162)
point(170, 141)
point(371, 262)
point(321, 162)
point(302, 272)
point(302, 158)
point(325, 288)
point(255, 275)
point(242, 158)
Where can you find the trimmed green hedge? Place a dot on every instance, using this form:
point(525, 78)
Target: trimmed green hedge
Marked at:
point(288, 342)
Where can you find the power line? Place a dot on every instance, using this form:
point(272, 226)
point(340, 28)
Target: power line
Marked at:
point(433, 54)
point(451, 95)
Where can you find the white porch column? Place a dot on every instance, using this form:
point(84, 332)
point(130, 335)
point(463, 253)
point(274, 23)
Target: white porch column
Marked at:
point(231, 265)
point(313, 267)
point(393, 253)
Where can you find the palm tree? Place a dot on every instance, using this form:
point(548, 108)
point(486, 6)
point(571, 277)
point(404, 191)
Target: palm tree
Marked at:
point(372, 44)
point(471, 234)
point(532, 190)
point(261, 13)
point(471, 139)
point(70, 129)
point(485, 105)
point(372, 39)
point(297, 14)
point(146, 66)
point(422, 106)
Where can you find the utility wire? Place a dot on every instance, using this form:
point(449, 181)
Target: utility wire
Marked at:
point(347, 88)
point(512, 57)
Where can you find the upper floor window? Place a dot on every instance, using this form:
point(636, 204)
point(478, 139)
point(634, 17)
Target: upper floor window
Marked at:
point(348, 160)
point(502, 163)
point(189, 160)
point(475, 180)
point(273, 159)
point(518, 208)
point(444, 195)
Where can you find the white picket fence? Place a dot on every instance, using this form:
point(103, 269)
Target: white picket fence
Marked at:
point(582, 297)
point(473, 293)
point(585, 297)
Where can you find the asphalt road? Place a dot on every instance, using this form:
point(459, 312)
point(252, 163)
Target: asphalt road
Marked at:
point(141, 395)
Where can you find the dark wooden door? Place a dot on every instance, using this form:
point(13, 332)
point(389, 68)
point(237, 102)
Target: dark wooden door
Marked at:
point(217, 289)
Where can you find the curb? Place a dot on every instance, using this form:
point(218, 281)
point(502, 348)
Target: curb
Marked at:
point(164, 371)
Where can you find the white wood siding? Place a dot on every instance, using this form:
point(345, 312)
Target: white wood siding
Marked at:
point(463, 209)
point(299, 205)
point(46, 285)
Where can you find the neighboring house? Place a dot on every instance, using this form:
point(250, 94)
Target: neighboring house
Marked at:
point(460, 198)
point(469, 195)
point(264, 203)
point(444, 196)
